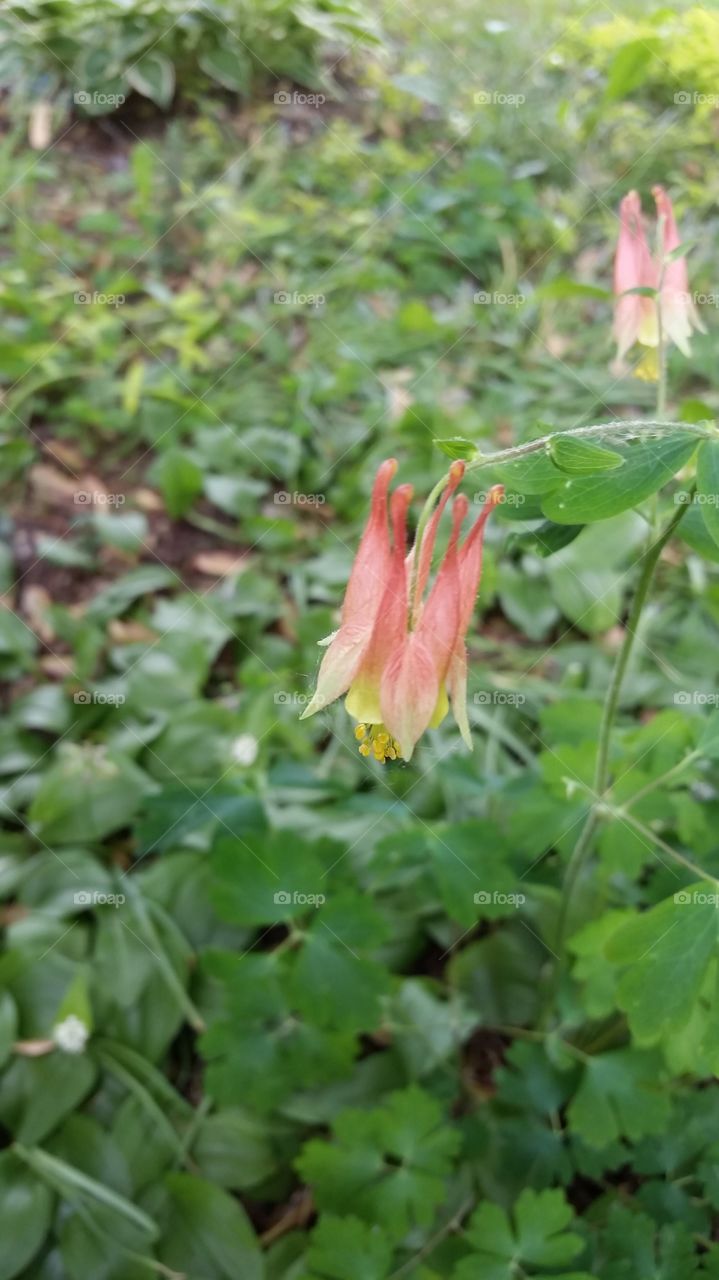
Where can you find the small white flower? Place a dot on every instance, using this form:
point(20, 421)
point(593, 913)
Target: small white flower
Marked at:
point(245, 749)
point(71, 1035)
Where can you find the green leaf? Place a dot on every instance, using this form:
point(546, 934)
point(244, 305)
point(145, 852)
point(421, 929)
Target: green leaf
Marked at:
point(387, 1165)
point(260, 879)
point(39, 1092)
point(85, 794)
point(348, 1249)
point(648, 464)
point(76, 1001)
point(708, 743)
point(153, 75)
point(634, 1245)
point(234, 1149)
point(629, 68)
point(230, 67)
point(206, 1232)
point(26, 1206)
point(8, 1026)
point(457, 447)
point(550, 537)
point(180, 480)
point(620, 1096)
point(258, 1048)
point(76, 1186)
point(707, 495)
point(579, 457)
point(535, 1235)
point(667, 951)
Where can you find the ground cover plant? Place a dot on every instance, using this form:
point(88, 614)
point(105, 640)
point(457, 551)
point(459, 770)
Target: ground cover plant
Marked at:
point(423, 985)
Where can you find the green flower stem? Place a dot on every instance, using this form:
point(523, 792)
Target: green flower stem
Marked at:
point(583, 846)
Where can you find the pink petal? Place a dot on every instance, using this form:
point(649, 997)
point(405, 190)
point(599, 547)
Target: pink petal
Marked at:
point(363, 597)
point(426, 550)
point(390, 624)
point(470, 559)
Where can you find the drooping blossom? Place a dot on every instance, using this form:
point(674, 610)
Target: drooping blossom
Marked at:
point(637, 315)
point(679, 315)
point(399, 657)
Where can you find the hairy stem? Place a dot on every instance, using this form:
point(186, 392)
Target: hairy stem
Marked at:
point(633, 426)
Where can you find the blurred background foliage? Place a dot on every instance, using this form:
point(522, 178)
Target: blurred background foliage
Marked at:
point(303, 242)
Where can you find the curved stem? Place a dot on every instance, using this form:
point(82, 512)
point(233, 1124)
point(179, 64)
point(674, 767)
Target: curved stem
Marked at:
point(583, 846)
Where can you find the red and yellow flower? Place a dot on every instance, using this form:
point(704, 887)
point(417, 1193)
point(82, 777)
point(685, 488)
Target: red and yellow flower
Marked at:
point(400, 658)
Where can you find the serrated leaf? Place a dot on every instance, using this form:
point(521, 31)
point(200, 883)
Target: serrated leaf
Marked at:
point(388, 1165)
point(348, 1249)
point(535, 1235)
point(667, 951)
point(620, 1096)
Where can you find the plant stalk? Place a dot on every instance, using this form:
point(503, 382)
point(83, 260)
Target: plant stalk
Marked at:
point(583, 846)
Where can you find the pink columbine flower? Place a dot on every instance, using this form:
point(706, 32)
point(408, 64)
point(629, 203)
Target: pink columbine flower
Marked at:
point(679, 315)
point(635, 316)
point(401, 661)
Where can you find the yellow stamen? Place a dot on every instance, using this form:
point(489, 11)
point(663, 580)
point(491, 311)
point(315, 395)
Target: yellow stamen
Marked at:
point(648, 368)
point(375, 740)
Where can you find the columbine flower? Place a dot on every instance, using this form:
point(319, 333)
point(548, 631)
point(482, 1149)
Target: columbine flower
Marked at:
point(71, 1034)
point(635, 316)
point(679, 315)
point(401, 660)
